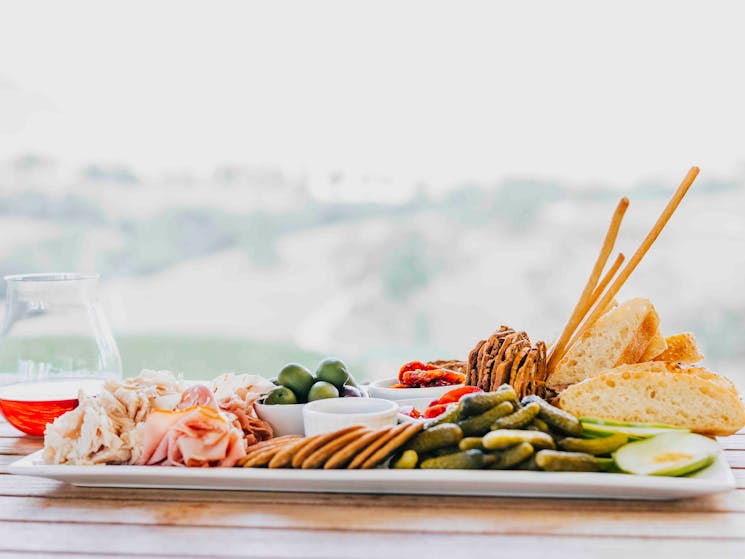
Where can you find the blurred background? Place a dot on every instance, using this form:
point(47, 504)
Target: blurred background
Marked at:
point(380, 181)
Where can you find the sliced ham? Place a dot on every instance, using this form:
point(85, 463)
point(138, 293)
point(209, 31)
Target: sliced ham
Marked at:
point(198, 436)
point(235, 395)
point(197, 395)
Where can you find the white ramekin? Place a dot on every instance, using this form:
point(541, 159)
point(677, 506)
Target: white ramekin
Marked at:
point(330, 414)
point(285, 419)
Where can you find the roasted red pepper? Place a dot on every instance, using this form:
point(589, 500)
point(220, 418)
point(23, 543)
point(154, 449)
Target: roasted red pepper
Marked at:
point(434, 411)
point(456, 394)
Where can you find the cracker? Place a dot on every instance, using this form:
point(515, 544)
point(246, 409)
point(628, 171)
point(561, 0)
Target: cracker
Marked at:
point(344, 455)
point(525, 371)
point(285, 454)
point(501, 373)
point(372, 447)
point(316, 442)
point(319, 457)
point(483, 355)
point(262, 457)
point(271, 443)
point(471, 371)
point(516, 376)
point(392, 445)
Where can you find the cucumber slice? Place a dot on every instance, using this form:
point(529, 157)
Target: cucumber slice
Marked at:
point(591, 430)
point(669, 454)
point(599, 421)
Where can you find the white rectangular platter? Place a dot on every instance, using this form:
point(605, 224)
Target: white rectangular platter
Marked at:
point(491, 483)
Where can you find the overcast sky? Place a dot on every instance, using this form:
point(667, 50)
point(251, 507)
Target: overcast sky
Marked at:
point(577, 91)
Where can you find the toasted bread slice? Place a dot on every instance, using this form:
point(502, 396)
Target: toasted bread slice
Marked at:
point(681, 348)
point(654, 348)
point(619, 336)
point(674, 398)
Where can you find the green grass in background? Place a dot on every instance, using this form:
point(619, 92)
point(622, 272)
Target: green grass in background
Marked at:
point(197, 357)
point(200, 357)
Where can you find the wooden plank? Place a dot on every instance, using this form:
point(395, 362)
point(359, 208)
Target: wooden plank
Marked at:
point(735, 442)
point(739, 478)
point(736, 458)
point(6, 459)
point(345, 517)
point(17, 486)
point(7, 430)
point(280, 543)
point(20, 446)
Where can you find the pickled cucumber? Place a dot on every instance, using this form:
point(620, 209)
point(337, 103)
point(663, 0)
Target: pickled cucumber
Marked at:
point(439, 436)
point(538, 425)
point(604, 445)
point(443, 451)
point(480, 424)
point(480, 402)
point(465, 460)
point(512, 456)
point(407, 461)
point(518, 419)
point(451, 415)
point(558, 461)
point(555, 417)
point(470, 443)
point(503, 438)
point(528, 464)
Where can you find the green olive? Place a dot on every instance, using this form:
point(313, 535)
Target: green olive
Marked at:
point(321, 390)
point(281, 395)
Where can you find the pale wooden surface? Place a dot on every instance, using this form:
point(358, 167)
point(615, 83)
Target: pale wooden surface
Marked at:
point(41, 518)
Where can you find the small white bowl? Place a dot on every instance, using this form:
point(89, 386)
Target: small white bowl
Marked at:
point(285, 419)
point(382, 389)
point(331, 414)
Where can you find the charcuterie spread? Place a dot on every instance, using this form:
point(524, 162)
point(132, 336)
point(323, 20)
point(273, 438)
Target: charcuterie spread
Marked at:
point(615, 393)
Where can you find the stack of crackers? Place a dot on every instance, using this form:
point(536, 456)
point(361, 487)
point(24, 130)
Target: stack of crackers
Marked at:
point(352, 448)
point(508, 357)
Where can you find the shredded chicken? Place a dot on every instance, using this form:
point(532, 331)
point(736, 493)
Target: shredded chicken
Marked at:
point(101, 430)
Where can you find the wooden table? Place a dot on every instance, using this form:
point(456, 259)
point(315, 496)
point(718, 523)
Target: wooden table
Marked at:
point(41, 517)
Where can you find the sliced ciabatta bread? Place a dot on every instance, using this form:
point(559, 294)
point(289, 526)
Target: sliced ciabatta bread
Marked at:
point(719, 380)
point(681, 348)
point(648, 367)
point(619, 336)
point(670, 367)
point(655, 346)
point(674, 398)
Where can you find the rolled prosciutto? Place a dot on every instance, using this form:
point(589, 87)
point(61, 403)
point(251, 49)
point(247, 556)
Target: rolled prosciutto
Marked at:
point(198, 436)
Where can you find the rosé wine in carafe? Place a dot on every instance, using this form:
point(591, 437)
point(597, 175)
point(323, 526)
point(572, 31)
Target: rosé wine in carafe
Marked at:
point(54, 342)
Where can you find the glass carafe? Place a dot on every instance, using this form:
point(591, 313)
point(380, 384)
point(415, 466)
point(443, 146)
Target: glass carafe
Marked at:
point(54, 341)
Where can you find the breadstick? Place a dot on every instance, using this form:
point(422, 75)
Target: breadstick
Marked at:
point(659, 225)
point(584, 304)
point(606, 279)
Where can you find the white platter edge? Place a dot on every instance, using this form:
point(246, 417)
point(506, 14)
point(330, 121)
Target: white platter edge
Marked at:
point(492, 483)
